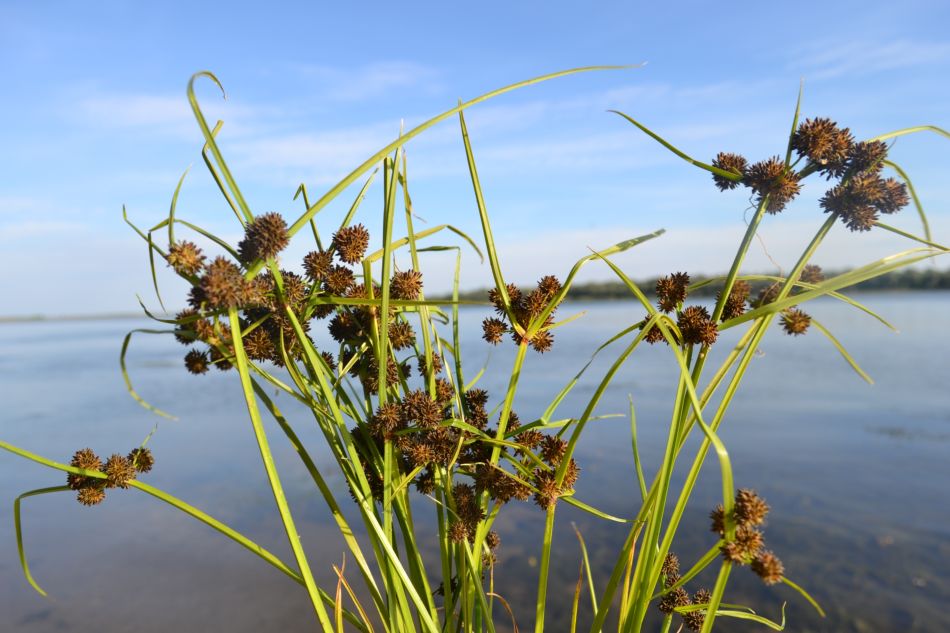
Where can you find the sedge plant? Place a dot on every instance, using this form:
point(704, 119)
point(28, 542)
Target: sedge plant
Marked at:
point(402, 422)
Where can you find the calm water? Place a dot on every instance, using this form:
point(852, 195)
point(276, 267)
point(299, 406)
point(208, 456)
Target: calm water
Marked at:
point(856, 476)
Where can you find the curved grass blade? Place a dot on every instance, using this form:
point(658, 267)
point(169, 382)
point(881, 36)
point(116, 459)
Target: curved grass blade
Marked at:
point(636, 452)
point(128, 380)
point(805, 595)
point(586, 563)
point(913, 195)
point(19, 531)
point(715, 170)
point(739, 615)
point(912, 130)
point(911, 236)
point(170, 500)
point(841, 350)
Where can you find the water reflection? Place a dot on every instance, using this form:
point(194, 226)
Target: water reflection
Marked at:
point(856, 477)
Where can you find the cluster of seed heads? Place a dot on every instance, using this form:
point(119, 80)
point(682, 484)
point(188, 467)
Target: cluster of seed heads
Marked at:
point(858, 198)
point(523, 309)
point(118, 470)
point(747, 547)
point(694, 323)
point(677, 596)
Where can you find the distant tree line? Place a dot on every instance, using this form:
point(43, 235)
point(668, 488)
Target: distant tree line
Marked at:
point(922, 279)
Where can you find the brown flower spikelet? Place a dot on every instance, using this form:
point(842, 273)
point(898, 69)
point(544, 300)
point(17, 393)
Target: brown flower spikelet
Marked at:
point(197, 362)
point(223, 284)
point(264, 237)
point(671, 291)
point(406, 285)
point(812, 274)
point(654, 335)
point(696, 326)
point(91, 495)
point(743, 549)
point(867, 156)
point(795, 322)
point(316, 264)
point(768, 567)
point(141, 459)
point(733, 163)
point(771, 178)
point(350, 243)
point(694, 620)
point(185, 257)
point(750, 509)
point(671, 569)
point(119, 471)
point(735, 303)
point(401, 335)
point(718, 520)
point(87, 460)
point(676, 598)
point(824, 144)
point(339, 279)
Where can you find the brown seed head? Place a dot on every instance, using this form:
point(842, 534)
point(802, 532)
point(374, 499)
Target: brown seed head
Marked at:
point(87, 460)
point(654, 335)
point(768, 567)
point(733, 163)
point(264, 237)
point(553, 449)
point(119, 471)
point(420, 410)
point(867, 156)
point(824, 144)
point(893, 196)
point(795, 322)
point(750, 509)
point(514, 294)
point(694, 620)
point(671, 291)
point(676, 598)
point(735, 303)
point(316, 264)
point(91, 495)
point(141, 459)
point(812, 274)
point(548, 287)
point(339, 279)
point(184, 327)
point(744, 548)
point(671, 569)
point(223, 284)
point(542, 341)
point(401, 335)
point(771, 178)
point(406, 285)
point(185, 257)
point(718, 519)
point(197, 362)
point(696, 326)
point(350, 243)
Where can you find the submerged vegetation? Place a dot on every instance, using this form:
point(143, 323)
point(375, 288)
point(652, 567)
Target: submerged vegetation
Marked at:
point(404, 425)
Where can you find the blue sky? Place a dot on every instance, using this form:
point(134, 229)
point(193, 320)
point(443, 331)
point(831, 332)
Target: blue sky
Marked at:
point(93, 115)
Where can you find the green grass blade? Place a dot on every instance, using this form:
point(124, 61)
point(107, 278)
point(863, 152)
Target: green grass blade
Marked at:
point(19, 531)
point(683, 155)
point(913, 195)
point(805, 595)
point(841, 350)
point(636, 452)
point(912, 130)
point(128, 380)
point(911, 236)
point(586, 566)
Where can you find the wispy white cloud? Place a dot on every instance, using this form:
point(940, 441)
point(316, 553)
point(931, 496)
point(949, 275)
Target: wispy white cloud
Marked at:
point(37, 228)
point(828, 60)
point(372, 80)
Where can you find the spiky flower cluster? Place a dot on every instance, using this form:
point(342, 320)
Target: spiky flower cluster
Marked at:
point(265, 236)
point(118, 470)
point(747, 546)
point(694, 323)
point(674, 597)
point(859, 197)
point(524, 308)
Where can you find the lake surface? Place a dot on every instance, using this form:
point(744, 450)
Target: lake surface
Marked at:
point(856, 475)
